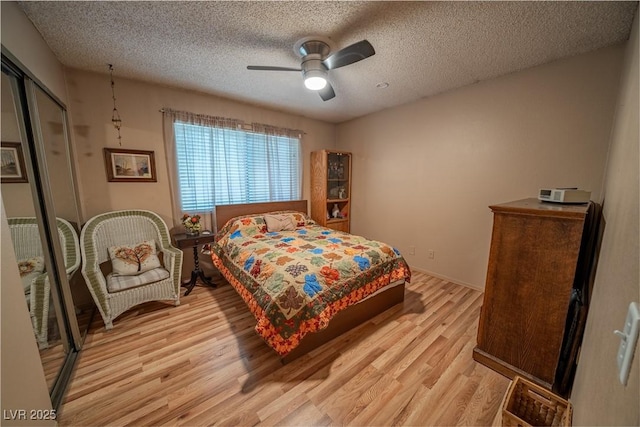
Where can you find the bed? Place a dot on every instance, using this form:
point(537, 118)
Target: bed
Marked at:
point(305, 284)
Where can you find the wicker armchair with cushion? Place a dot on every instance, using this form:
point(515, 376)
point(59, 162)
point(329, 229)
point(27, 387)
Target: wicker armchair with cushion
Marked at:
point(25, 236)
point(128, 259)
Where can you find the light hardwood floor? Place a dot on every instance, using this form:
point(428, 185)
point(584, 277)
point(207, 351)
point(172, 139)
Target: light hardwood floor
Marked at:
point(54, 356)
point(202, 364)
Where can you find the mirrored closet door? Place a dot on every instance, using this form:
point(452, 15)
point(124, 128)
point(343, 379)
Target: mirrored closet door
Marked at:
point(40, 200)
point(51, 133)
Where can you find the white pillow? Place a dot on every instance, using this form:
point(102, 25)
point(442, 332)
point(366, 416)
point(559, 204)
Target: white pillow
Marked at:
point(31, 265)
point(279, 223)
point(129, 260)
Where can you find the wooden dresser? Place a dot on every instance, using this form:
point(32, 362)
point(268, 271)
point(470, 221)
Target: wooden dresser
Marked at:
point(534, 307)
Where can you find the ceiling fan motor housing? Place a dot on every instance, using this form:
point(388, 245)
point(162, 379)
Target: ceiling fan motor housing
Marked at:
point(313, 53)
point(309, 47)
point(313, 65)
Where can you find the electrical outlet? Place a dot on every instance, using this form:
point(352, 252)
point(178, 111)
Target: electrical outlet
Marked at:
point(412, 250)
point(432, 254)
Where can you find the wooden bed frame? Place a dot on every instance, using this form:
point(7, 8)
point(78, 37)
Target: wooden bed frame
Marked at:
point(225, 212)
point(344, 320)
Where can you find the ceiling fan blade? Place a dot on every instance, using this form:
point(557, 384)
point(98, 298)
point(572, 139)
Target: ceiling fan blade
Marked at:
point(327, 93)
point(349, 55)
point(269, 68)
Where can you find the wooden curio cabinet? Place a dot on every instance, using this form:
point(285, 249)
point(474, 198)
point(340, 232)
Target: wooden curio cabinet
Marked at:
point(331, 189)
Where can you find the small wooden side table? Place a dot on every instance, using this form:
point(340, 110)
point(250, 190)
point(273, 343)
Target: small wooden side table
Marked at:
point(184, 241)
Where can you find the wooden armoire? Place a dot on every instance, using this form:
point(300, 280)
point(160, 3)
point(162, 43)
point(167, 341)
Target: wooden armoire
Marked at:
point(537, 290)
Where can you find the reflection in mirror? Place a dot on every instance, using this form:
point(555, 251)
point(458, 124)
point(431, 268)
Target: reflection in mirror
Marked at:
point(52, 123)
point(21, 212)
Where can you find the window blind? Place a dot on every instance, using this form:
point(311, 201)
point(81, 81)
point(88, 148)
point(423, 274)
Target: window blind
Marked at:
point(218, 166)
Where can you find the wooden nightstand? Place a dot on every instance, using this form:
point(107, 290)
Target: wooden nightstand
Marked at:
point(184, 241)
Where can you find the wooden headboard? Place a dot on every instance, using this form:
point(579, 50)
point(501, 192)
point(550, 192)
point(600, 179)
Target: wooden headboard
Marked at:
point(225, 212)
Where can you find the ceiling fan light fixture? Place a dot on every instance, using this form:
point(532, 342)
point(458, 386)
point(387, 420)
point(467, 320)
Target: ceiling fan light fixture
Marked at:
point(317, 60)
point(315, 79)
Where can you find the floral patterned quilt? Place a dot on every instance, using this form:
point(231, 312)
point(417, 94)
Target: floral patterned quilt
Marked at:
point(294, 281)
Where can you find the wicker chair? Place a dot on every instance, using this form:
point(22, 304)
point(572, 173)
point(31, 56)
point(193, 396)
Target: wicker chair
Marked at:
point(128, 227)
point(26, 242)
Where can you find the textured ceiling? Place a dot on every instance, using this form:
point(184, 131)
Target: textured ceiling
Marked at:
point(422, 48)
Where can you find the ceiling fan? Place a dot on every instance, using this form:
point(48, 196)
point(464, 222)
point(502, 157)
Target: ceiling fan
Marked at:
point(317, 60)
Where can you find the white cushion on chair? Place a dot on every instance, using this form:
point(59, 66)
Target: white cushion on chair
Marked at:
point(116, 283)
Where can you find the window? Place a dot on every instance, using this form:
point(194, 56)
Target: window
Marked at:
point(218, 166)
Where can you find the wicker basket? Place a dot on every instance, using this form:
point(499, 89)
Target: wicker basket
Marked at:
point(528, 404)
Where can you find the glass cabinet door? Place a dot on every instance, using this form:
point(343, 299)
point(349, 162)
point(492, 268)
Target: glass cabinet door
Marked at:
point(338, 190)
point(339, 165)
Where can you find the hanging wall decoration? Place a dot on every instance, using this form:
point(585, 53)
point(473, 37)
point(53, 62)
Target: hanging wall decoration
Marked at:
point(115, 116)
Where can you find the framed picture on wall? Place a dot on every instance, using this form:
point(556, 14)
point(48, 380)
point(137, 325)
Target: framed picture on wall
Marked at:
point(130, 165)
point(12, 163)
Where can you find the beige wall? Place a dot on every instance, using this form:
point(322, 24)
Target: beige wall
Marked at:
point(598, 397)
point(139, 106)
point(424, 173)
point(21, 38)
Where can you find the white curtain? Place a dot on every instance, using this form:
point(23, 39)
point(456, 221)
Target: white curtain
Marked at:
point(279, 147)
point(202, 122)
point(214, 160)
